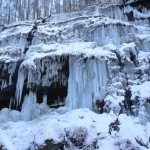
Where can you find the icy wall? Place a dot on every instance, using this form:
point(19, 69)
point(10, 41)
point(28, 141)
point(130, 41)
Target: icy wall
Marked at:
point(87, 82)
point(97, 58)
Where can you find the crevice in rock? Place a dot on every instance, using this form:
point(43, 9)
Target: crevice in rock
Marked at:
point(119, 59)
point(130, 16)
point(100, 106)
point(133, 58)
point(30, 37)
point(128, 101)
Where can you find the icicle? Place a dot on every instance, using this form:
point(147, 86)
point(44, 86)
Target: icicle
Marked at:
point(20, 83)
point(43, 107)
point(45, 99)
point(10, 79)
point(10, 103)
point(3, 84)
point(27, 111)
point(11, 71)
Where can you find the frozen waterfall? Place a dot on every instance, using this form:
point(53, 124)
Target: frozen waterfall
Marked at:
point(87, 82)
point(76, 59)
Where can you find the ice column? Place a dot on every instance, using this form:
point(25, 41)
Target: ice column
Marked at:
point(20, 83)
point(87, 82)
point(28, 106)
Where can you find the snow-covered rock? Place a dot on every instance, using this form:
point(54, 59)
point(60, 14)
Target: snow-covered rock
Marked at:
point(77, 129)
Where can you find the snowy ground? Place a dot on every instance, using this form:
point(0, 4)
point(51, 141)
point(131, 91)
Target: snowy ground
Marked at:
point(124, 133)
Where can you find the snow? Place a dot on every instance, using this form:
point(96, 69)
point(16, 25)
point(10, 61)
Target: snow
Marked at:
point(5, 141)
point(16, 31)
point(141, 90)
point(88, 49)
point(138, 14)
point(54, 126)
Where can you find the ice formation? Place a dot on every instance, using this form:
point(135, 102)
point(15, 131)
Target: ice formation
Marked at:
point(98, 59)
point(78, 61)
point(87, 82)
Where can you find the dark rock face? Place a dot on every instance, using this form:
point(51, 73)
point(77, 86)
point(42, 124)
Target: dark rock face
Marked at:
point(100, 106)
point(8, 79)
point(49, 145)
point(6, 94)
point(130, 16)
point(141, 3)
